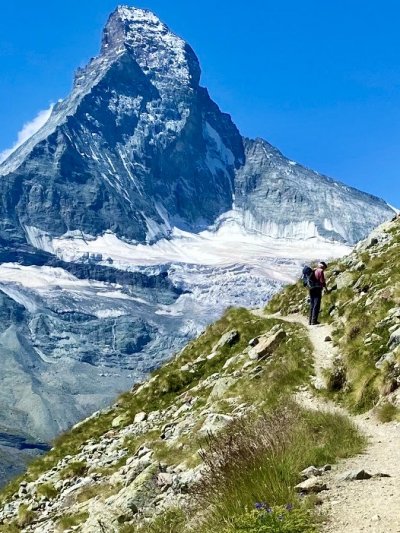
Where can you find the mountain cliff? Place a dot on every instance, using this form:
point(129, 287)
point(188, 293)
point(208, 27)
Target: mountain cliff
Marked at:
point(139, 147)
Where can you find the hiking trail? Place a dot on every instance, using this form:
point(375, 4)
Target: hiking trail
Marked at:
point(371, 505)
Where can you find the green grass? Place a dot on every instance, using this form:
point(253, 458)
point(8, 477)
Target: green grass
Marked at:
point(387, 412)
point(259, 460)
point(48, 490)
point(25, 516)
point(76, 468)
point(354, 318)
point(10, 528)
point(72, 520)
point(171, 521)
point(289, 368)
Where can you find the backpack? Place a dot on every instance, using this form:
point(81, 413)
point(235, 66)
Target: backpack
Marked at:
point(308, 278)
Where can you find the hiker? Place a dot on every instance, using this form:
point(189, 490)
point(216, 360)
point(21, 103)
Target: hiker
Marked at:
point(316, 286)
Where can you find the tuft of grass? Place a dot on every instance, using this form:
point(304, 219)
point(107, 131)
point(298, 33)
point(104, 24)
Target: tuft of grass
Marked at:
point(282, 519)
point(76, 468)
point(101, 490)
point(72, 520)
point(26, 516)
point(387, 412)
point(171, 521)
point(260, 457)
point(48, 490)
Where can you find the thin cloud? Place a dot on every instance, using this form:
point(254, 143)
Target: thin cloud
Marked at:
point(28, 129)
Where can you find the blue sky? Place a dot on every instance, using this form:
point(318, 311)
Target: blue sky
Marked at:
point(319, 80)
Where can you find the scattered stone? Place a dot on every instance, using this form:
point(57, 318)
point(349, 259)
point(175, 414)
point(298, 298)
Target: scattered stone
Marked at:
point(354, 475)
point(164, 479)
point(394, 338)
point(228, 339)
point(214, 423)
point(221, 386)
point(254, 341)
point(266, 345)
point(231, 361)
point(312, 485)
point(140, 417)
point(310, 472)
point(345, 279)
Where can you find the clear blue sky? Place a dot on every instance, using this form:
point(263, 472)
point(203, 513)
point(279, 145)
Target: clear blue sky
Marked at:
point(320, 80)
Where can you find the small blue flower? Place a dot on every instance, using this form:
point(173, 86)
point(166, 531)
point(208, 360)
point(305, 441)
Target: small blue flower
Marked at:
point(289, 507)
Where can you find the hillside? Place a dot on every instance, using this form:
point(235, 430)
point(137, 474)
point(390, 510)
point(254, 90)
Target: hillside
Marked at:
point(364, 312)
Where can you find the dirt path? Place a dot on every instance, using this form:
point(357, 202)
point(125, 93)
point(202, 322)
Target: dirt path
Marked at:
point(371, 505)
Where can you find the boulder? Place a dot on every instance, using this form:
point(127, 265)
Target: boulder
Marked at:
point(313, 485)
point(267, 345)
point(231, 361)
point(345, 279)
point(394, 339)
point(214, 423)
point(221, 386)
point(354, 475)
point(140, 417)
point(228, 339)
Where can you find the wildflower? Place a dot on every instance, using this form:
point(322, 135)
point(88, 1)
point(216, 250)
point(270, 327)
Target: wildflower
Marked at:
point(289, 507)
point(263, 506)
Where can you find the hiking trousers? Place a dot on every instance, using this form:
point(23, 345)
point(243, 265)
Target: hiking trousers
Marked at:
point(315, 304)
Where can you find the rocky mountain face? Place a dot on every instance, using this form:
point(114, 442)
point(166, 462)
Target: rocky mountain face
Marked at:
point(284, 199)
point(139, 147)
point(110, 208)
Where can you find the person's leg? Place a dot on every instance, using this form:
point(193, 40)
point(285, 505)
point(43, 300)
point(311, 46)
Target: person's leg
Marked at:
point(311, 307)
point(313, 302)
point(317, 307)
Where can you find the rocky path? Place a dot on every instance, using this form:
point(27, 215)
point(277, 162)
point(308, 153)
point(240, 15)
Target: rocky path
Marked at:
point(370, 505)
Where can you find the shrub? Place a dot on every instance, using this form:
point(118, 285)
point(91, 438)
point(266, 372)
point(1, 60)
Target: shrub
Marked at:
point(387, 412)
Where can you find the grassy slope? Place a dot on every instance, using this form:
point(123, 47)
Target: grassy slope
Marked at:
point(295, 438)
point(359, 313)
